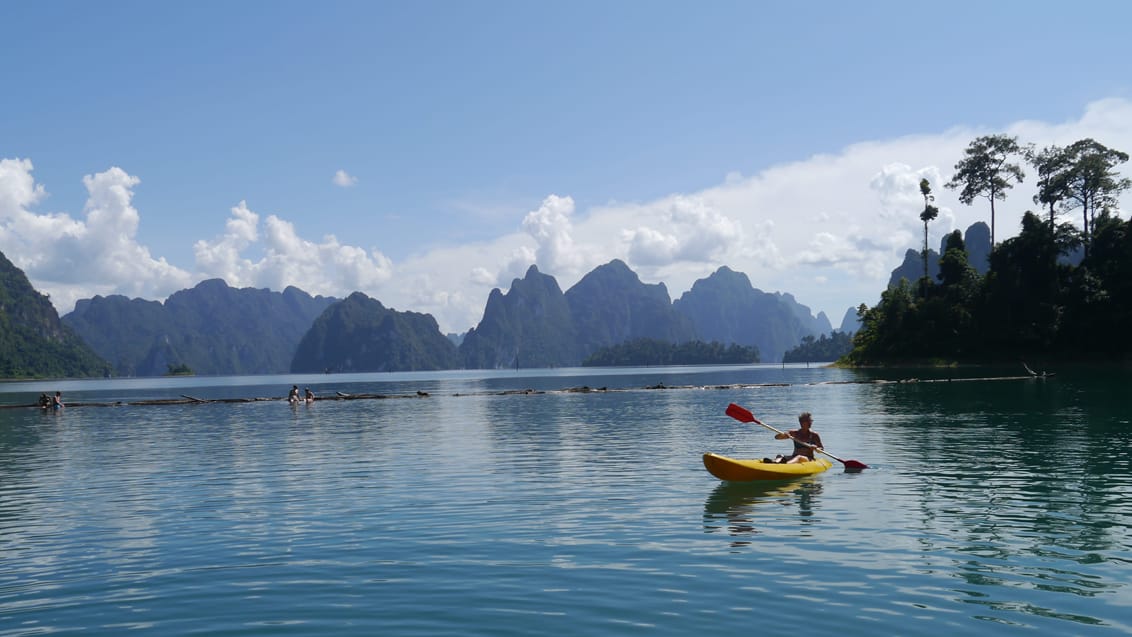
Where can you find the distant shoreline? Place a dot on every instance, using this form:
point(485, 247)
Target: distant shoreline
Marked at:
point(584, 389)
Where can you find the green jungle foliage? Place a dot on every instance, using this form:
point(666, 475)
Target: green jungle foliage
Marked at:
point(1034, 301)
point(648, 351)
point(179, 370)
point(826, 348)
point(34, 343)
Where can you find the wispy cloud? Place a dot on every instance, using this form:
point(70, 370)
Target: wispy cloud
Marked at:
point(344, 179)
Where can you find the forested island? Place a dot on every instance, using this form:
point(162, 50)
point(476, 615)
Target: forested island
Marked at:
point(824, 348)
point(1055, 292)
point(650, 351)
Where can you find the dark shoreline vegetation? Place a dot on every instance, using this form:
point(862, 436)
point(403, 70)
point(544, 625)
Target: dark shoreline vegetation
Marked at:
point(1054, 293)
point(824, 348)
point(651, 351)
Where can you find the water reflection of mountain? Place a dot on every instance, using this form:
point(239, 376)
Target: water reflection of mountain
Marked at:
point(735, 507)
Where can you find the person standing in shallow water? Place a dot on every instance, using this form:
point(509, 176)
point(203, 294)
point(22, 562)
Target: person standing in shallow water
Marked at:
point(803, 434)
point(293, 395)
point(57, 401)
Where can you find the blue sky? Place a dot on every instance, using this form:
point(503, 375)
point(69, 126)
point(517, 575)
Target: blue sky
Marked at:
point(426, 152)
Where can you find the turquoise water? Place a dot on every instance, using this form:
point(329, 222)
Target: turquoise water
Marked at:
point(991, 507)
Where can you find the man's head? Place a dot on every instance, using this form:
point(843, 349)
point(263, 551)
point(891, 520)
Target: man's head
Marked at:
point(805, 419)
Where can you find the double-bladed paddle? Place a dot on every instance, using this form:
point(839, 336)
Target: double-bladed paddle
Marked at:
point(743, 415)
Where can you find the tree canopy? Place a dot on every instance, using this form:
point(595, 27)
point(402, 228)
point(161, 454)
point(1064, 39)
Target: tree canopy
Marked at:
point(821, 349)
point(986, 171)
point(1040, 296)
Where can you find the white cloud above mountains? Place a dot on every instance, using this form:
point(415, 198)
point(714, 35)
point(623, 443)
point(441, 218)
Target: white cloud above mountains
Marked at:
point(327, 267)
point(72, 259)
point(828, 229)
point(680, 229)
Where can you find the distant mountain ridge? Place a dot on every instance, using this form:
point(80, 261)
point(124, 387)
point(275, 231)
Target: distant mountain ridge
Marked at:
point(530, 326)
point(216, 329)
point(212, 328)
point(535, 324)
point(725, 307)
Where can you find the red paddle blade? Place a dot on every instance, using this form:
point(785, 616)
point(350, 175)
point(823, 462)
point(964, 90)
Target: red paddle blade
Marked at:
point(855, 465)
point(739, 413)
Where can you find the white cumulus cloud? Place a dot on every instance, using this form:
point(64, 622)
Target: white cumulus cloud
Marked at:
point(551, 228)
point(681, 229)
point(324, 267)
point(344, 179)
point(221, 258)
point(69, 258)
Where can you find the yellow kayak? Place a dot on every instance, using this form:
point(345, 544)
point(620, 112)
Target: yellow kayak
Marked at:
point(739, 470)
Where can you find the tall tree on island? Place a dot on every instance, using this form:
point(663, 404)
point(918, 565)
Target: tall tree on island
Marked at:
point(1052, 164)
point(986, 171)
point(1090, 182)
point(929, 214)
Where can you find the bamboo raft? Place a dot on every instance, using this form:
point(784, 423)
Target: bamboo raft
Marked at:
point(185, 399)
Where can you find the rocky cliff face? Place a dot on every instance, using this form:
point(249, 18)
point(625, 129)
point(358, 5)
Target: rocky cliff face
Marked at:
point(850, 323)
point(123, 331)
point(212, 328)
point(530, 326)
point(611, 305)
point(725, 307)
point(534, 324)
point(359, 334)
point(977, 242)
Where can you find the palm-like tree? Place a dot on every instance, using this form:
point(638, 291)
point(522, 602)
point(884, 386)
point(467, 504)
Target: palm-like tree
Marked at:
point(929, 214)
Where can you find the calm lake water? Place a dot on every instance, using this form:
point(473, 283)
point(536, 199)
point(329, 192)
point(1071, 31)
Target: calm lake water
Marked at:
point(991, 507)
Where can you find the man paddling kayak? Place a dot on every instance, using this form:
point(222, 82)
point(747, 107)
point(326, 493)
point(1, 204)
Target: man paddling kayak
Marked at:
point(805, 440)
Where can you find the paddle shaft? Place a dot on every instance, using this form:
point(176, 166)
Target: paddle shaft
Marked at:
point(744, 415)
